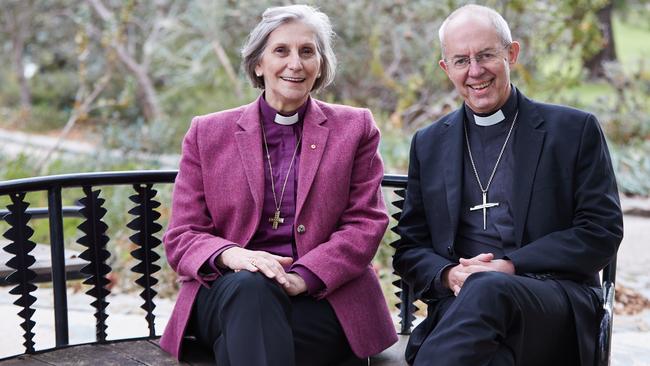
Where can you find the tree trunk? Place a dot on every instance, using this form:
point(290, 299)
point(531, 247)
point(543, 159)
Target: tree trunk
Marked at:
point(146, 90)
point(25, 92)
point(608, 52)
point(19, 28)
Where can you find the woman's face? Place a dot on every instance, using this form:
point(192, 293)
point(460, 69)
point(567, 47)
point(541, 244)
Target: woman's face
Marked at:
point(290, 65)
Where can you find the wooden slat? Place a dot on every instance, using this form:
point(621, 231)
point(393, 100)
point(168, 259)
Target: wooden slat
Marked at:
point(88, 355)
point(147, 351)
point(136, 353)
point(23, 361)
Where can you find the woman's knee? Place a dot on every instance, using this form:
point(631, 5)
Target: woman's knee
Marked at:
point(246, 285)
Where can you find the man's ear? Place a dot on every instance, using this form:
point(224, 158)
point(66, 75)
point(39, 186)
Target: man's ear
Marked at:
point(443, 66)
point(513, 52)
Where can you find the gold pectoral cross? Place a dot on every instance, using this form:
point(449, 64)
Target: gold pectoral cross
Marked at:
point(484, 207)
point(276, 220)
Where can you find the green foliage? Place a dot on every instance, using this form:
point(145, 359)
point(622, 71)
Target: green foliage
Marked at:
point(388, 54)
point(15, 167)
point(632, 164)
point(10, 95)
point(625, 116)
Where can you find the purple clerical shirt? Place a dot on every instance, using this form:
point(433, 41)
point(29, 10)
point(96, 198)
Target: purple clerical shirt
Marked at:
point(281, 140)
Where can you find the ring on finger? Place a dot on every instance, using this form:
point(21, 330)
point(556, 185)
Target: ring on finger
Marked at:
point(253, 262)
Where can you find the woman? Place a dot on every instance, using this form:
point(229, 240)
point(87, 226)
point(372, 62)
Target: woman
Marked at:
point(277, 213)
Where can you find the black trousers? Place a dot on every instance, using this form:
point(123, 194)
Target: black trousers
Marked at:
point(248, 320)
point(498, 320)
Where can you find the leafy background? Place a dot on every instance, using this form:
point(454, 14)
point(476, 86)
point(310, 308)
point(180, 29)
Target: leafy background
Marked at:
point(128, 75)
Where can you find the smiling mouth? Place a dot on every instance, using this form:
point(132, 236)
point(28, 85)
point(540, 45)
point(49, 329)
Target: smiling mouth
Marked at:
point(293, 80)
point(481, 86)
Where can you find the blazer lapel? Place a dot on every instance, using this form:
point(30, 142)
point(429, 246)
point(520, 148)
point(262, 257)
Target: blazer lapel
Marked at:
point(453, 151)
point(527, 150)
point(316, 135)
point(249, 143)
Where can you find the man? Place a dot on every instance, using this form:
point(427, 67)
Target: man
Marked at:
point(511, 210)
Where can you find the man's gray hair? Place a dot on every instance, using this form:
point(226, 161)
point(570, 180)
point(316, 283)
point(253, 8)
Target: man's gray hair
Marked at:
point(274, 18)
point(500, 24)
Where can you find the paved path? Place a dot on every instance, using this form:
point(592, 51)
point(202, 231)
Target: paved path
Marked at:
point(13, 143)
point(125, 319)
point(631, 339)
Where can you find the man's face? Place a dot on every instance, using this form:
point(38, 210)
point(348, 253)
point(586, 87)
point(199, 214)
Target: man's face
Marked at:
point(484, 81)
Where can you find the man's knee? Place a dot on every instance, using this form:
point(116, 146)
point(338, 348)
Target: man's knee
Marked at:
point(489, 284)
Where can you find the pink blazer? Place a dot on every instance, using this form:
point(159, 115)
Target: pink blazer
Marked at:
point(218, 197)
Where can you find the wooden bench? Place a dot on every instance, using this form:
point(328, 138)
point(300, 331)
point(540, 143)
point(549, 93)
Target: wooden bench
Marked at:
point(147, 352)
point(144, 224)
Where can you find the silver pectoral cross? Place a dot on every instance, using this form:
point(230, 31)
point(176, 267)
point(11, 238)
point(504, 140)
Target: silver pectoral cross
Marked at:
point(276, 220)
point(484, 207)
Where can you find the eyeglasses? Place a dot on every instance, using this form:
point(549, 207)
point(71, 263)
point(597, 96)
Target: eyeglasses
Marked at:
point(483, 58)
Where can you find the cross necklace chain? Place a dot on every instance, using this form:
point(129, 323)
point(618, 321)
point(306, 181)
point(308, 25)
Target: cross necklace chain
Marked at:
point(277, 219)
point(485, 205)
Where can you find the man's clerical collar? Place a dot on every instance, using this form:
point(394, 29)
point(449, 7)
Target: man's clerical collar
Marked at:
point(269, 114)
point(506, 112)
point(490, 120)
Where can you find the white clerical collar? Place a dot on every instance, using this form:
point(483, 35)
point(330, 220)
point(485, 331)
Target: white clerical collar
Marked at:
point(286, 120)
point(490, 120)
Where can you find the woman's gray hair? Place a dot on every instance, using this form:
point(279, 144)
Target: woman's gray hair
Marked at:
point(274, 18)
point(500, 24)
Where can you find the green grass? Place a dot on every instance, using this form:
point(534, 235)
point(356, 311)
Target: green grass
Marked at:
point(632, 44)
point(589, 93)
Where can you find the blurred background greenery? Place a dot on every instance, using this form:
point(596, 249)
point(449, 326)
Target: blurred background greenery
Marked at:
point(129, 75)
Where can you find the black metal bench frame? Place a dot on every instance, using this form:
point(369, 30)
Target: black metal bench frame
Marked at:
point(145, 226)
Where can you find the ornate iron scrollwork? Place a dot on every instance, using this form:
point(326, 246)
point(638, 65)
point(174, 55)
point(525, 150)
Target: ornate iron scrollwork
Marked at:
point(406, 307)
point(19, 234)
point(145, 226)
point(95, 240)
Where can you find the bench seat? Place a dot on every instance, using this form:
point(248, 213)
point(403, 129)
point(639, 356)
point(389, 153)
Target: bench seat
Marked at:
point(147, 352)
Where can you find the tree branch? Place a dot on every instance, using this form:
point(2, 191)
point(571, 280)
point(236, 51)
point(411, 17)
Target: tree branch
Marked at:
point(81, 109)
point(150, 106)
point(225, 62)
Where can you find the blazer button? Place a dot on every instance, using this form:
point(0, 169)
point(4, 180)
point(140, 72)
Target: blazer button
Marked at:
point(300, 229)
point(450, 250)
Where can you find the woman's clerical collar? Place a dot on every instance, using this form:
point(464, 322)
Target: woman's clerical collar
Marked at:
point(270, 114)
point(491, 119)
point(286, 120)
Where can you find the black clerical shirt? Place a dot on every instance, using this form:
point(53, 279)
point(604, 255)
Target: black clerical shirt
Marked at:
point(499, 236)
point(486, 143)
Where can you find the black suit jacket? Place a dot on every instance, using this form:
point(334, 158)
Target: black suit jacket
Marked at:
point(567, 216)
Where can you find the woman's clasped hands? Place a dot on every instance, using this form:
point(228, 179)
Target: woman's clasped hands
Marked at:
point(270, 265)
